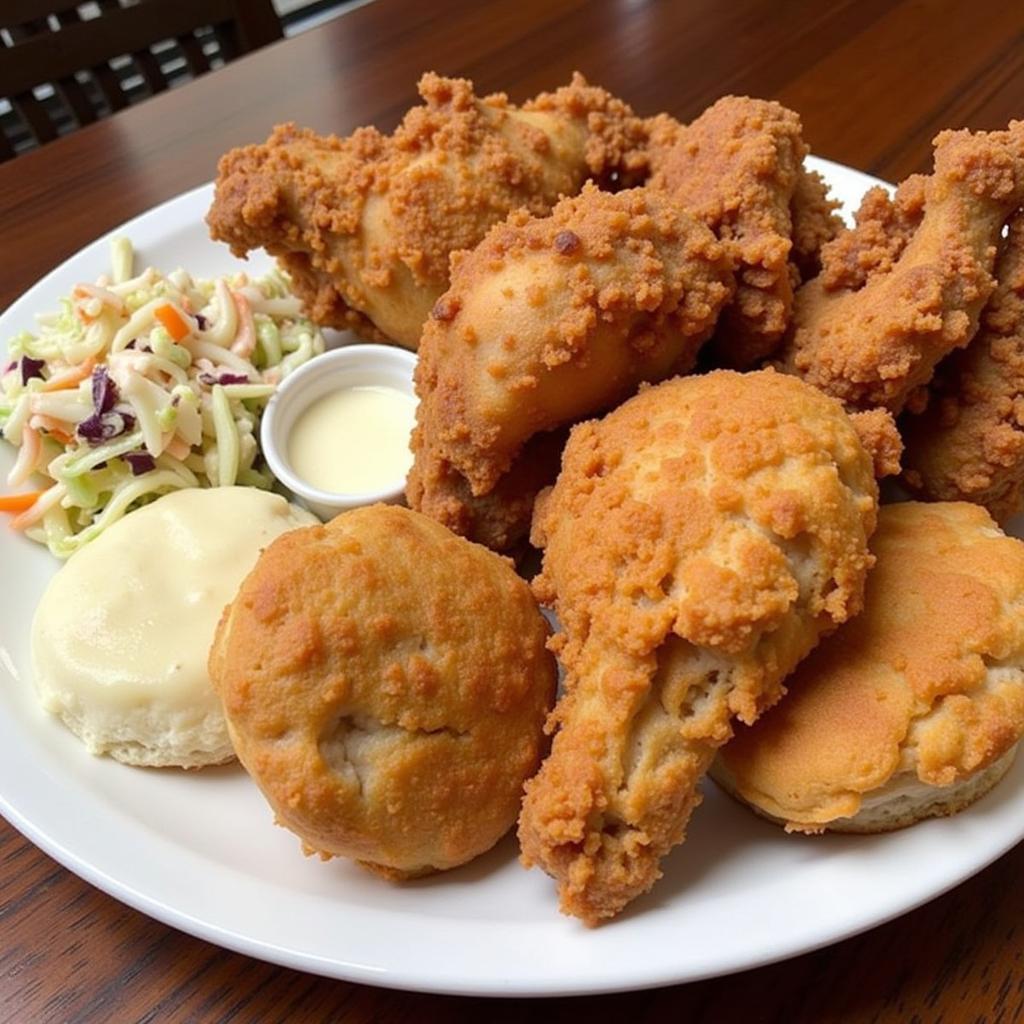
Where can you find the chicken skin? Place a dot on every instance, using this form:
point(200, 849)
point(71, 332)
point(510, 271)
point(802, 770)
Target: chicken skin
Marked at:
point(737, 167)
point(365, 225)
point(871, 333)
point(549, 320)
point(697, 543)
point(969, 443)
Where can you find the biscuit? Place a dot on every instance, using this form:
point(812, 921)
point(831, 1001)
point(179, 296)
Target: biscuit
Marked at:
point(385, 683)
point(915, 708)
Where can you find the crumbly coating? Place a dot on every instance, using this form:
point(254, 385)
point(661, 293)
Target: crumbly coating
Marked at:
point(698, 541)
point(385, 683)
point(549, 320)
point(881, 438)
point(736, 167)
point(883, 226)
point(928, 679)
point(969, 443)
point(365, 224)
point(877, 343)
point(815, 222)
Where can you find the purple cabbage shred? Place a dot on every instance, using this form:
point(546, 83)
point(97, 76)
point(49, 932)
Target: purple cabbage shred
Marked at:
point(210, 379)
point(104, 427)
point(30, 368)
point(201, 321)
point(104, 391)
point(140, 462)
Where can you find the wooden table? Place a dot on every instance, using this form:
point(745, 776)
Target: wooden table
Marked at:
point(874, 81)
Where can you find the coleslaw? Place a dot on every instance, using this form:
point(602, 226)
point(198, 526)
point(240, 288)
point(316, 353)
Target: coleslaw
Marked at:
point(143, 384)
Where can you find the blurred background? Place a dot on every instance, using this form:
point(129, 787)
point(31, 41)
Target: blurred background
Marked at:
point(128, 51)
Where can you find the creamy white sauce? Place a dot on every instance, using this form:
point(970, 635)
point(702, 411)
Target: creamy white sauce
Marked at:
point(120, 638)
point(354, 440)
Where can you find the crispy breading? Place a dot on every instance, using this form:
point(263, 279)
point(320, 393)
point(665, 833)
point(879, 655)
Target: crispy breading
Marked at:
point(815, 222)
point(365, 224)
point(883, 225)
point(969, 443)
point(698, 541)
point(877, 343)
point(736, 167)
point(385, 683)
point(546, 321)
point(926, 684)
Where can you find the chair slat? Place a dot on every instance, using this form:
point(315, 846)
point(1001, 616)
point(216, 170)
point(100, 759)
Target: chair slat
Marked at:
point(6, 149)
point(197, 62)
point(35, 116)
point(227, 41)
point(110, 85)
point(88, 43)
point(52, 42)
point(21, 12)
point(150, 69)
point(257, 24)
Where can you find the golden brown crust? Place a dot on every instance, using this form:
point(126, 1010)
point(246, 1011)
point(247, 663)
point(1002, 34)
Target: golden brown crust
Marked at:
point(929, 678)
point(877, 431)
point(815, 221)
point(877, 343)
point(548, 320)
point(969, 443)
point(385, 684)
point(698, 541)
point(737, 167)
point(366, 223)
point(883, 226)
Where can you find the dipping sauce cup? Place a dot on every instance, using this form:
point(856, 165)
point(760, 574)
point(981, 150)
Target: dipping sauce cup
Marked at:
point(308, 430)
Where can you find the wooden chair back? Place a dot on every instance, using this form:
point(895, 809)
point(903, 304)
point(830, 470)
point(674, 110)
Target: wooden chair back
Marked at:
point(70, 44)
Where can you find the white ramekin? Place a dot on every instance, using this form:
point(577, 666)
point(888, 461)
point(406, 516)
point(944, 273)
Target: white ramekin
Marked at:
point(351, 366)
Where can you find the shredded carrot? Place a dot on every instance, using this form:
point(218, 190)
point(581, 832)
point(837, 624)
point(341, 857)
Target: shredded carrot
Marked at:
point(173, 321)
point(245, 339)
point(19, 502)
point(70, 378)
point(178, 448)
point(57, 429)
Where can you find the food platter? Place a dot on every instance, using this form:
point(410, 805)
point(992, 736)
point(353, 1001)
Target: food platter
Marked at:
point(199, 851)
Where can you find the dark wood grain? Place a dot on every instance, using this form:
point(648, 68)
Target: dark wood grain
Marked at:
point(874, 82)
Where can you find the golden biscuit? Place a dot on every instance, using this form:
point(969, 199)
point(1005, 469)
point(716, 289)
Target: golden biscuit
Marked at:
point(912, 710)
point(385, 683)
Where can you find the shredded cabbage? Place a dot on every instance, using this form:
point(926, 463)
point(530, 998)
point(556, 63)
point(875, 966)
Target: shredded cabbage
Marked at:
point(144, 383)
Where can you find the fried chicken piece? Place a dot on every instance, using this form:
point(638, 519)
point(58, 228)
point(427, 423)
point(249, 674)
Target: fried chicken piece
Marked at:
point(698, 542)
point(883, 226)
point(546, 321)
point(815, 222)
point(736, 167)
point(969, 443)
point(876, 342)
point(365, 225)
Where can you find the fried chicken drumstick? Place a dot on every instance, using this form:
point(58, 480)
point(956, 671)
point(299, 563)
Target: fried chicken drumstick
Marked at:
point(738, 167)
point(969, 443)
point(698, 542)
point(365, 225)
point(549, 320)
point(889, 305)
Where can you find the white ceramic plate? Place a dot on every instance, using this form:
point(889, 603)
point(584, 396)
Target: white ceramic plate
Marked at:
point(199, 852)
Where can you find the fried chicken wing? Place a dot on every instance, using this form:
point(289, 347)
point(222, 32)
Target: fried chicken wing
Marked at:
point(697, 543)
point(365, 225)
point(969, 443)
point(546, 321)
point(886, 308)
point(737, 167)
